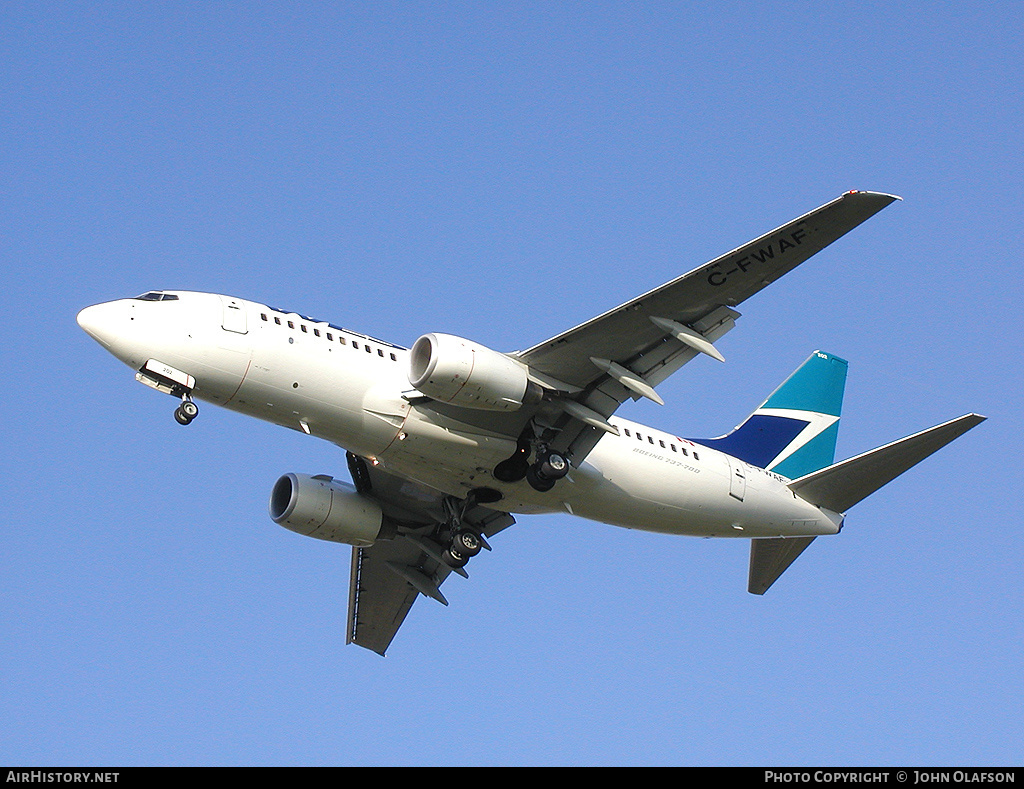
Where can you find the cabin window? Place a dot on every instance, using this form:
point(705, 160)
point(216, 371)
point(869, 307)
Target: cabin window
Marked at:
point(394, 358)
point(355, 345)
point(662, 444)
point(626, 431)
point(277, 320)
point(291, 325)
point(263, 315)
point(330, 336)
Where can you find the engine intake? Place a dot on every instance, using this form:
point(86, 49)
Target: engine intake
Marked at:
point(467, 374)
point(327, 509)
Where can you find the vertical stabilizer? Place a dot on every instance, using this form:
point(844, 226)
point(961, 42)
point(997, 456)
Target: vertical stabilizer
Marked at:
point(794, 431)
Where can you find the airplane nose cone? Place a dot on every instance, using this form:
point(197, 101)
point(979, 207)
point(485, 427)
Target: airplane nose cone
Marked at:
point(97, 322)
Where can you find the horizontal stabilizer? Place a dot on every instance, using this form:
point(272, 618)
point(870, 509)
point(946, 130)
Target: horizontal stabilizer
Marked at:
point(769, 558)
point(838, 487)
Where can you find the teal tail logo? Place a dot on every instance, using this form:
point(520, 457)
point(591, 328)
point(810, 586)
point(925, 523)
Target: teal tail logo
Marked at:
point(795, 431)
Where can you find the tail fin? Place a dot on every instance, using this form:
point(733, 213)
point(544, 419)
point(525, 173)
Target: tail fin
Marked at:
point(794, 431)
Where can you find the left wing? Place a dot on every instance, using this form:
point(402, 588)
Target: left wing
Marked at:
point(387, 577)
point(630, 332)
point(587, 372)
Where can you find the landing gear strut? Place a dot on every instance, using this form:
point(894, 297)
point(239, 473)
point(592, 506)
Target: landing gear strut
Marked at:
point(186, 412)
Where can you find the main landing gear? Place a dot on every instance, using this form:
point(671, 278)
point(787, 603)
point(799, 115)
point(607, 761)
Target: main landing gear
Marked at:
point(463, 543)
point(542, 474)
point(187, 411)
point(549, 468)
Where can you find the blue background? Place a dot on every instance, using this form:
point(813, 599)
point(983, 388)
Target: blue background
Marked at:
point(504, 171)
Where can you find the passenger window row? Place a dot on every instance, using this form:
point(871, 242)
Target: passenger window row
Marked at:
point(329, 335)
point(661, 443)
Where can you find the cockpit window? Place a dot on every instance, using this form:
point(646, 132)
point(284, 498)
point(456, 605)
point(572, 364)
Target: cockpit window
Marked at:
point(156, 295)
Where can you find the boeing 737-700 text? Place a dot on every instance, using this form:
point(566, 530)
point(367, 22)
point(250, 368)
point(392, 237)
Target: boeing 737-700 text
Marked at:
point(449, 438)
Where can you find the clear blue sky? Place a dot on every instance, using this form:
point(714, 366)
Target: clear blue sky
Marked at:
point(504, 171)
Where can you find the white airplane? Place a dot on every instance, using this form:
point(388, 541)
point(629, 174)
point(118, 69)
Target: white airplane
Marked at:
point(446, 440)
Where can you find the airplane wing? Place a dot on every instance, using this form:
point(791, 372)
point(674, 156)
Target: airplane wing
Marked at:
point(387, 577)
point(625, 352)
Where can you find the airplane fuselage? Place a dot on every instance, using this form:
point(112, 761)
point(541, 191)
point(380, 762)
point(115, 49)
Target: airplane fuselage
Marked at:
point(354, 391)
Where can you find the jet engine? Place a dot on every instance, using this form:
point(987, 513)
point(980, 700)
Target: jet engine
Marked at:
point(327, 509)
point(464, 373)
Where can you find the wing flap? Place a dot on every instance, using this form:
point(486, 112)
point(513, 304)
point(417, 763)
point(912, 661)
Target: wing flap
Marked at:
point(379, 599)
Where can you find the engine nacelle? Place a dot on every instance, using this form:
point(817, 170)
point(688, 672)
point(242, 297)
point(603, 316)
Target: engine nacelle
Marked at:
point(324, 508)
point(465, 373)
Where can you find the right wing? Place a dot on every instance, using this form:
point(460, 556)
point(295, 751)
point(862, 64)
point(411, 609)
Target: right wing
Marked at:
point(387, 577)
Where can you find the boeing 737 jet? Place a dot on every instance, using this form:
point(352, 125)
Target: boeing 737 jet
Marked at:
point(447, 440)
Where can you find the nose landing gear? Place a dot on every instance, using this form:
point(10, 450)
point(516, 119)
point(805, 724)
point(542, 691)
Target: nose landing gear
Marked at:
point(186, 412)
point(166, 379)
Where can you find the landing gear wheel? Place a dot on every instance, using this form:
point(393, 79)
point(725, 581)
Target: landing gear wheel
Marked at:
point(549, 468)
point(464, 546)
point(454, 560)
point(537, 482)
point(466, 543)
point(552, 465)
point(186, 412)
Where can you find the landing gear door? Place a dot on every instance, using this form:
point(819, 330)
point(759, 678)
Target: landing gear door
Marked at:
point(234, 318)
